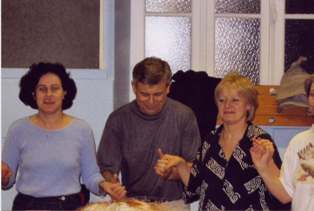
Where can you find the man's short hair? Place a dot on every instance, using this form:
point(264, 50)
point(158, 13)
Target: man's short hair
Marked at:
point(152, 70)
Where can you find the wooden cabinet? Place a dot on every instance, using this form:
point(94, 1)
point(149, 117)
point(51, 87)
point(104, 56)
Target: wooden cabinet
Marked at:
point(269, 114)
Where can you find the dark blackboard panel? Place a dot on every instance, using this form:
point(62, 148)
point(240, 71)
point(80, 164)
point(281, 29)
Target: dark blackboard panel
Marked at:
point(65, 31)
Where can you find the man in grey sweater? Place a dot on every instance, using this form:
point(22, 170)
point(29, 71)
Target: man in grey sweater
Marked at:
point(135, 132)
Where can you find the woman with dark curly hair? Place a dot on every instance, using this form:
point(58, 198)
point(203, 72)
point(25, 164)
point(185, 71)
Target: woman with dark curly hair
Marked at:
point(50, 149)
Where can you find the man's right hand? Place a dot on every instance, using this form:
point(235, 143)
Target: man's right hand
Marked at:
point(166, 165)
point(6, 173)
point(115, 190)
point(112, 185)
point(110, 177)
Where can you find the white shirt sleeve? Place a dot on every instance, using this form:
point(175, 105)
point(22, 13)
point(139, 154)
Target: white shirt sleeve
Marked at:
point(289, 166)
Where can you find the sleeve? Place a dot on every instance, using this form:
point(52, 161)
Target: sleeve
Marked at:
point(89, 169)
point(192, 191)
point(11, 154)
point(109, 153)
point(191, 139)
point(274, 203)
point(290, 163)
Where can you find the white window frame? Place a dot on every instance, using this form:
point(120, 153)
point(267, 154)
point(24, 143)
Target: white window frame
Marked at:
point(272, 36)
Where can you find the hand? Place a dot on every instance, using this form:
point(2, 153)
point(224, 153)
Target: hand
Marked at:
point(262, 153)
point(6, 173)
point(115, 190)
point(166, 165)
point(114, 179)
point(110, 177)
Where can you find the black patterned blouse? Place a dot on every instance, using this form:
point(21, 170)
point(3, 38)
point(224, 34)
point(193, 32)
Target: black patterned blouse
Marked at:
point(230, 185)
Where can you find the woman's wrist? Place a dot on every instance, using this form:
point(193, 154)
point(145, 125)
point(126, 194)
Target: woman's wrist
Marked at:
point(101, 186)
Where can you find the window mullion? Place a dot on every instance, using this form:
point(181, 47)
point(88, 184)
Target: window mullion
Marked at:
point(265, 75)
point(277, 41)
point(137, 47)
point(300, 16)
point(199, 35)
point(210, 29)
point(137, 35)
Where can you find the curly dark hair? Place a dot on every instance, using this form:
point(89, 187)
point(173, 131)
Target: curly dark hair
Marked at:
point(30, 80)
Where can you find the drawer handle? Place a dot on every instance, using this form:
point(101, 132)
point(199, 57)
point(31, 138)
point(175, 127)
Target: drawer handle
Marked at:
point(271, 120)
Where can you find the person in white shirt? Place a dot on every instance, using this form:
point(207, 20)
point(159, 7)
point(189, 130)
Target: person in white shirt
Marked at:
point(295, 181)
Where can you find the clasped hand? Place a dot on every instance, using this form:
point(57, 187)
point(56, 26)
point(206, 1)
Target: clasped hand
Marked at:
point(114, 189)
point(167, 164)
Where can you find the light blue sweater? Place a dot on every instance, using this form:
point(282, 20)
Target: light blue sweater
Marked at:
point(50, 163)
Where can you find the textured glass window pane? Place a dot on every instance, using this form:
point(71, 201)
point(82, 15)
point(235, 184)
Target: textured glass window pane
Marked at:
point(299, 6)
point(169, 38)
point(164, 6)
point(237, 47)
point(238, 6)
point(299, 40)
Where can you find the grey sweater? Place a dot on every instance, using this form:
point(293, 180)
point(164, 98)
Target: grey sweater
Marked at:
point(130, 140)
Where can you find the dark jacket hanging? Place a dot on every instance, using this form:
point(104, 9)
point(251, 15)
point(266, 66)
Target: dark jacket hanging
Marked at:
point(196, 90)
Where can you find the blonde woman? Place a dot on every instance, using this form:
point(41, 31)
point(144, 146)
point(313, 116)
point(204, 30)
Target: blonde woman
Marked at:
point(223, 175)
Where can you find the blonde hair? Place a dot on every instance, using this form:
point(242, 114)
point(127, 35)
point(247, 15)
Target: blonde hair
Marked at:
point(245, 87)
point(126, 205)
